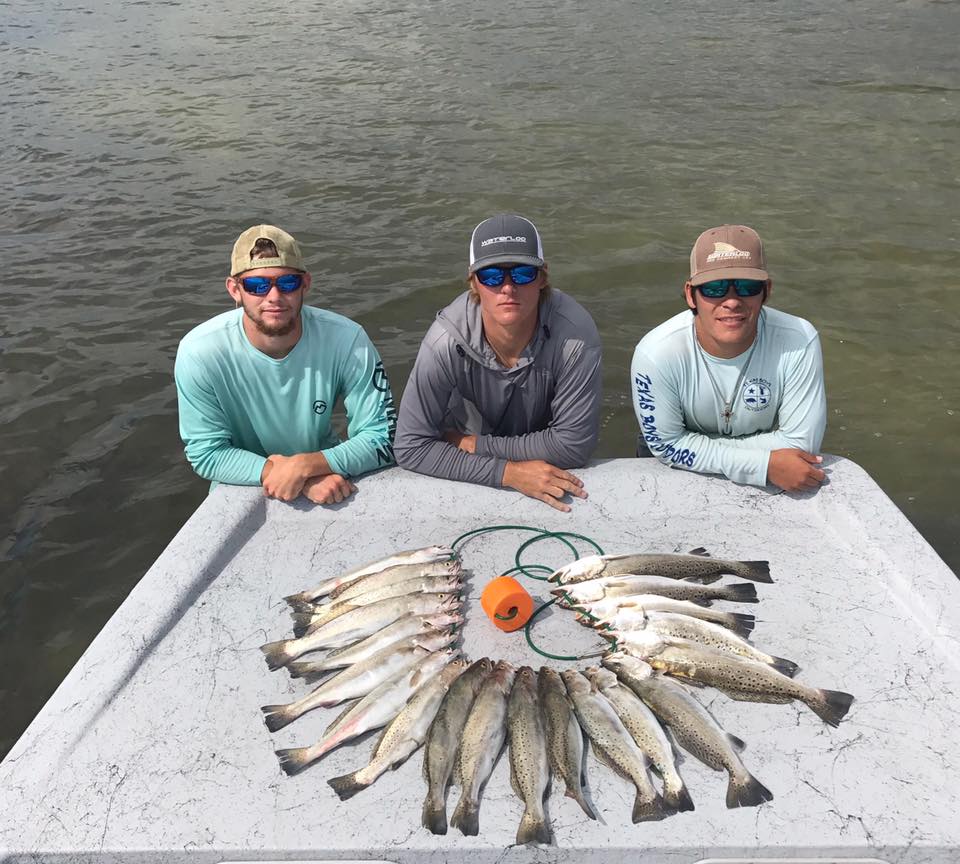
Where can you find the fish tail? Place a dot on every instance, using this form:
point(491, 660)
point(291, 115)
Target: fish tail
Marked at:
point(787, 667)
point(434, 816)
point(297, 606)
point(347, 785)
point(533, 828)
point(741, 592)
point(277, 654)
point(758, 571)
point(831, 706)
point(294, 760)
point(466, 817)
point(647, 809)
point(744, 790)
point(301, 623)
point(676, 797)
point(742, 624)
point(577, 795)
point(278, 716)
point(302, 668)
point(301, 597)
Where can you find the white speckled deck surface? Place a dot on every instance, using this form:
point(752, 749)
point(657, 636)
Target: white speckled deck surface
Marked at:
point(153, 749)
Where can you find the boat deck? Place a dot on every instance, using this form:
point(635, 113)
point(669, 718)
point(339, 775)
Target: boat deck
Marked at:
point(153, 749)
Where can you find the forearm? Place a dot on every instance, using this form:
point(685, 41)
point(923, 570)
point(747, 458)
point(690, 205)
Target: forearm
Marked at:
point(226, 464)
point(439, 459)
point(694, 451)
point(369, 450)
point(560, 447)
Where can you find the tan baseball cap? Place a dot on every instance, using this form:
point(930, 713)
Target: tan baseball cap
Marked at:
point(727, 252)
point(288, 249)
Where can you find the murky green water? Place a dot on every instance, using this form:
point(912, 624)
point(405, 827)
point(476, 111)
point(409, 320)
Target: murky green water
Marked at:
point(140, 137)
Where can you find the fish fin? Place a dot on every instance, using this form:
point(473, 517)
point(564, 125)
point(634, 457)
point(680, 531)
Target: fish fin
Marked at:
point(831, 706)
point(301, 623)
point(314, 675)
point(577, 795)
point(515, 784)
point(277, 716)
point(786, 667)
point(743, 624)
point(533, 829)
point(466, 817)
point(300, 606)
point(678, 799)
point(758, 571)
point(741, 592)
point(294, 760)
point(737, 743)
point(276, 654)
point(699, 551)
point(648, 809)
point(434, 815)
point(339, 717)
point(346, 786)
point(604, 759)
point(746, 791)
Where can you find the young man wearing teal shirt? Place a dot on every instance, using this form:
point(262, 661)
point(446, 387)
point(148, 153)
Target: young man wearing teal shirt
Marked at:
point(256, 386)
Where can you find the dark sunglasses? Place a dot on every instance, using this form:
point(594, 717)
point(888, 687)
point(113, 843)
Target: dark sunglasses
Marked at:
point(521, 274)
point(261, 285)
point(719, 287)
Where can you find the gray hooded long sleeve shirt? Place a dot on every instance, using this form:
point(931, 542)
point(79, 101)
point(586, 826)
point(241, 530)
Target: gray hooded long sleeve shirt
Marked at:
point(546, 407)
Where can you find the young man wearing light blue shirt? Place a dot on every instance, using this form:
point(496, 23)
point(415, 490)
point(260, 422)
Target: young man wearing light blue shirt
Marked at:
point(257, 386)
point(731, 386)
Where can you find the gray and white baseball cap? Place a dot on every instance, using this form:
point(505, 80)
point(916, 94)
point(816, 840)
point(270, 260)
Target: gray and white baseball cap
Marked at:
point(505, 239)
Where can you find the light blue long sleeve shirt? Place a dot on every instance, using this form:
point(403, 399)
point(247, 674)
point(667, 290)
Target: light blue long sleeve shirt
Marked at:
point(781, 401)
point(238, 406)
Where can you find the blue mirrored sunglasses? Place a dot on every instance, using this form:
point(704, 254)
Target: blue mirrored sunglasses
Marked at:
point(719, 287)
point(261, 285)
point(521, 274)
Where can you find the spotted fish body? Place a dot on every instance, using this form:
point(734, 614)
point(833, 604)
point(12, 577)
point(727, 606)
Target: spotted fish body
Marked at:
point(696, 565)
point(612, 743)
point(630, 613)
point(646, 730)
point(443, 738)
point(564, 736)
point(740, 678)
point(669, 626)
point(663, 586)
point(483, 737)
point(529, 766)
point(692, 727)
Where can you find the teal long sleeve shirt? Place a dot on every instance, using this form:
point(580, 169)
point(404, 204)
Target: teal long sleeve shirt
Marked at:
point(238, 406)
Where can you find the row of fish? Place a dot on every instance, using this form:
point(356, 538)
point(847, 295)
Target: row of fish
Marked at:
point(389, 629)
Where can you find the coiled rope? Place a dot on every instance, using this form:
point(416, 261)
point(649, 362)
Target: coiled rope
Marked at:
point(526, 570)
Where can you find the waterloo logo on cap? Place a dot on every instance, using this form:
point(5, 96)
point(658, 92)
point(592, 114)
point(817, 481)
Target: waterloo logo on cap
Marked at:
point(726, 252)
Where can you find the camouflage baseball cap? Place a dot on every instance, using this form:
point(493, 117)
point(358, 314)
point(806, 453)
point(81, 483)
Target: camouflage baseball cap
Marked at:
point(727, 252)
point(288, 250)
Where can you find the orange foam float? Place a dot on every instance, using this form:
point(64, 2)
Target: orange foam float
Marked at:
point(507, 603)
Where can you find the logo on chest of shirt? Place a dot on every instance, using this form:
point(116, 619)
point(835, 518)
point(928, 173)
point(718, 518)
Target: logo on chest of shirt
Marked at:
point(319, 407)
point(756, 394)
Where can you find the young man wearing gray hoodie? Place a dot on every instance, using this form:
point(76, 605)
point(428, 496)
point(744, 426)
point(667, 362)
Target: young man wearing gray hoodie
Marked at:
point(506, 387)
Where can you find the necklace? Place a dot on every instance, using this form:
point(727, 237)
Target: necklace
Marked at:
point(729, 405)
